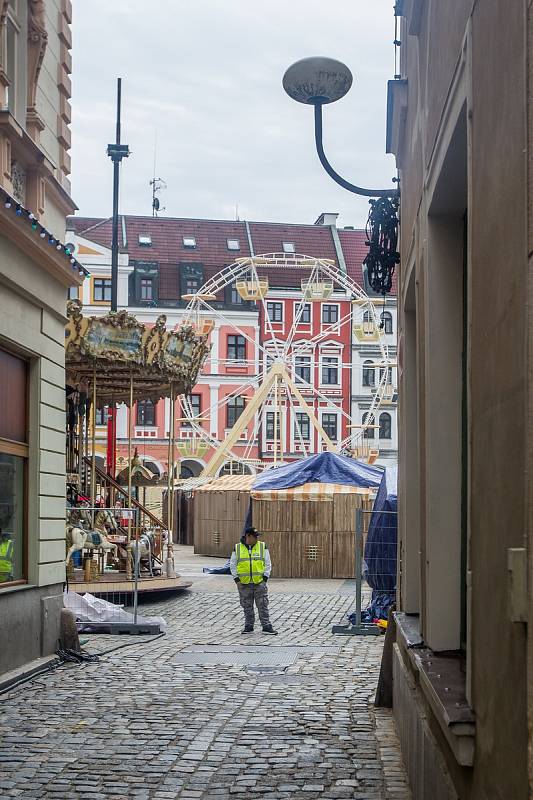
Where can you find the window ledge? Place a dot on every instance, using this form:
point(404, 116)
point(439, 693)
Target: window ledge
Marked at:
point(443, 684)
point(16, 587)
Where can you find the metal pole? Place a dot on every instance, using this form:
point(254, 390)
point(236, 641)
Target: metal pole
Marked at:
point(93, 437)
point(358, 564)
point(170, 496)
point(116, 184)
point(128, 547)
point(136, 590)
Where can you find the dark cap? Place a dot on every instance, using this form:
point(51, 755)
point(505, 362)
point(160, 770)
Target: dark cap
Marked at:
point(252, 532)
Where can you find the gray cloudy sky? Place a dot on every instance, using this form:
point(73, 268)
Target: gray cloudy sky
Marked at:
point(206, 74)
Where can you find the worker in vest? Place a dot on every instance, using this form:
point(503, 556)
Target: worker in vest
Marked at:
point(6, 557)
point(250, 567)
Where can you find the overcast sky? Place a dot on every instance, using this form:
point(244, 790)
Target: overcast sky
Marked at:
point(206, 76)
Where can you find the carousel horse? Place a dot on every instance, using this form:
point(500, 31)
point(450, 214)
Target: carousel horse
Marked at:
point(90, 538)
point(143, 550)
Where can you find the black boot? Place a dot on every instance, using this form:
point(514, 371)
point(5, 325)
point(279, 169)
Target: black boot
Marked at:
point(269, 629)
point(248, 629)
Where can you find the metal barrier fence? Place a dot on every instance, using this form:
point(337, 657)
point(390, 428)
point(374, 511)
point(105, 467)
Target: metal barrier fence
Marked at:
point(375, 556)
point(98, 590)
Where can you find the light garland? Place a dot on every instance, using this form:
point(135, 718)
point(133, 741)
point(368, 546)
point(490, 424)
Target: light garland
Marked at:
point(28, 216)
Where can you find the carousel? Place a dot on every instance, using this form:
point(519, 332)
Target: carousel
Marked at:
point(115, 544)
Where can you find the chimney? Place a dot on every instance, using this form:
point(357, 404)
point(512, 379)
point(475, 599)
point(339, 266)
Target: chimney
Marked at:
point(328, 218)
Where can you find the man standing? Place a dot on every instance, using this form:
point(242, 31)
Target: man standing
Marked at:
point(250, 567)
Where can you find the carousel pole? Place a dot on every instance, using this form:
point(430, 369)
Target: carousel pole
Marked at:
point(169, 563)
point(128, 546)
point(276, 418)
point(93, 439)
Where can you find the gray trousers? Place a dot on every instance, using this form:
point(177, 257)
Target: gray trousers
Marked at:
point(258, 592)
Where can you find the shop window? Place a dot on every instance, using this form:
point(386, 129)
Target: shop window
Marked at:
point(13, 467)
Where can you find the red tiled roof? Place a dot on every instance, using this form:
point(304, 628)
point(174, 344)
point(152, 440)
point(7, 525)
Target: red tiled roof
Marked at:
point(211, 244)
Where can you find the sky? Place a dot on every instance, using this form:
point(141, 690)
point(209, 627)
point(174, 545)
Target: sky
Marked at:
point(201, 89)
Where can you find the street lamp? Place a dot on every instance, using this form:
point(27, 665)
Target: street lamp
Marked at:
point(318, 81)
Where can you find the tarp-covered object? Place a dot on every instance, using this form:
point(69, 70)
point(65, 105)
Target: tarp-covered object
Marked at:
point(379, 567)
point(321, 468)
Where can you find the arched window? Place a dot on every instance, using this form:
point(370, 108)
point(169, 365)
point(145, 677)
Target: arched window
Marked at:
point(369, 373)
point(235, 468)
point(367, 317)
point(385, 426)
point(386, 321)
point(369, 432)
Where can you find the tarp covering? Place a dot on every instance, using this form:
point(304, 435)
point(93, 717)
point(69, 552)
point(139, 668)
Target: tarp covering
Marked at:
point(379, 567)
point(321, 468)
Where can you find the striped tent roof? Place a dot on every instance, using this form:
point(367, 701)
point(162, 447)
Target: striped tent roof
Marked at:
point(311, 491)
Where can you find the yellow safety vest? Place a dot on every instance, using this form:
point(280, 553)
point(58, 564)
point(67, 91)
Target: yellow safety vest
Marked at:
point(6, 560)
point(250, 563)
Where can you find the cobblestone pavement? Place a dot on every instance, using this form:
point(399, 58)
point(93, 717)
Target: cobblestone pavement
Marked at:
point(204, 712)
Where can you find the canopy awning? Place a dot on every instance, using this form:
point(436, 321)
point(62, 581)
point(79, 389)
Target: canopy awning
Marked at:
point(318, 492)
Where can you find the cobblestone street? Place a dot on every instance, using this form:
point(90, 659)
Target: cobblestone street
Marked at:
point(204, 712)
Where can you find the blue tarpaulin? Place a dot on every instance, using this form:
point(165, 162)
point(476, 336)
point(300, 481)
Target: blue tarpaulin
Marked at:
point(321, 468)
point(379, 568)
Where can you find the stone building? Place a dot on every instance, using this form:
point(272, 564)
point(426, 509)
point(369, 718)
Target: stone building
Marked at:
point(458, 124)
point(36, 273)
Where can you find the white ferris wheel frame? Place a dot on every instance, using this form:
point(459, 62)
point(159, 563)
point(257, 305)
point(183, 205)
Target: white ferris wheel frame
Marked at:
point(266, 384)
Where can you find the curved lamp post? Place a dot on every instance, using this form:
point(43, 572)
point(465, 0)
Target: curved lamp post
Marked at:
point(318, 81)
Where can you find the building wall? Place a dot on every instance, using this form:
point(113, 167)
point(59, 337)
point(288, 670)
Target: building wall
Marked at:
point(462, 154)
point(32, 326)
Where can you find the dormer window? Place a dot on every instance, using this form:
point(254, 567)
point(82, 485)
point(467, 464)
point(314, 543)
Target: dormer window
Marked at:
point(189, 242)
point(233, 244)
point(288, 247)
point(145, 240)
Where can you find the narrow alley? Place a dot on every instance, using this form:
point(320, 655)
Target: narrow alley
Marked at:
point(204, 712)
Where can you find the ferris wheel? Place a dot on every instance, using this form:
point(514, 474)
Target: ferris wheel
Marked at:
point(288, 385)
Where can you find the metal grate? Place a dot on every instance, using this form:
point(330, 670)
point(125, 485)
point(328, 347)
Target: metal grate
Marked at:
point(259, 656)
point(312, 552)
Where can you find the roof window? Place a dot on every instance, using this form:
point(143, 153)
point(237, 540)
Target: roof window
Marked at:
point(288, 247)
point(145, 240)
point(233, 244)
point(189, 242)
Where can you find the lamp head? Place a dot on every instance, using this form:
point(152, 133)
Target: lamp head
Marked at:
point(317, 80)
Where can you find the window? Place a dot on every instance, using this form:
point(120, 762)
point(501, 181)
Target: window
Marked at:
point(191, 278)
point(385, 426)
point(235, 468)
point(234, 409)
point(145, 413)
point(330, 314)
point(302, 368)
point(101, 416)
point(369, 432)
point(13, 466)
point(269, 427)
point(147, 289)
point(302, 313)
point(386, 321)
point(329, 423)
point(73, 292)
point(196, 406)
point(275, 312)
point(288, 247)
point(389, 375)
point(367, 317)
point(102, 290)
point(11, 65)
point(233, 244)
point(302, 428)
point(234, 296)
point(369, 373)
point(189, 242)
point(330, 370)
point(236, 348)
point(145, 240)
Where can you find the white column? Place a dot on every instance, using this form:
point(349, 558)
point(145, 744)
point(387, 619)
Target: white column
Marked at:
point(167, 418)
point(122, 421)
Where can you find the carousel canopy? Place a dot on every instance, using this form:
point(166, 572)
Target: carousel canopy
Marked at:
point(114, 347)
